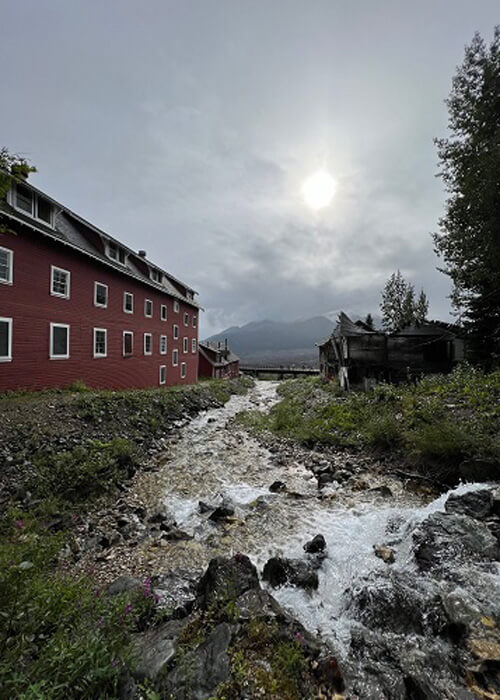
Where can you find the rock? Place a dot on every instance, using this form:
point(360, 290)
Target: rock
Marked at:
point(277, 486)
point(161, 515)
point(447, 539)
point(479, 470)
point(201, 670)
point(124, 584)
point(317, 544)
point(383, 552)
point(278, 571)
point(225, 510)
point(384, 491)
point(204, 507)
point(226, 579)
point(176, 534)
point(475, 504)
point(328, 675)
point(341, 475)
point(154, 649)
point(324, 479)
point(485, 649)
point(257, 604)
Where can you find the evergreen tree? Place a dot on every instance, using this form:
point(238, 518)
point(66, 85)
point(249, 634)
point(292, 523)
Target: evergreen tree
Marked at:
point(398, 306)
point(369, 321)
point(469, 241)
point(421, 308)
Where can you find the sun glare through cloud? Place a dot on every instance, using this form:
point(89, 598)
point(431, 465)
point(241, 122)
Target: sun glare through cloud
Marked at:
point(319, 189)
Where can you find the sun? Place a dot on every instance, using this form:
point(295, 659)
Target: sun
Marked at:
point(319, 189)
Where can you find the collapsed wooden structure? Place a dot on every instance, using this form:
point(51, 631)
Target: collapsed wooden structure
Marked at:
point(358, 354)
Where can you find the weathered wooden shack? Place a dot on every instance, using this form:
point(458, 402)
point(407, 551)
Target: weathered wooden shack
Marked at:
point(357, 354)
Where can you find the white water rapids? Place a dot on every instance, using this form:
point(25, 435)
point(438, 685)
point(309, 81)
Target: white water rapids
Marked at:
point(213, 458)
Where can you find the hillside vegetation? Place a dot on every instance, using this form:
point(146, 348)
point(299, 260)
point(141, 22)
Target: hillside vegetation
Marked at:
point(435, 425)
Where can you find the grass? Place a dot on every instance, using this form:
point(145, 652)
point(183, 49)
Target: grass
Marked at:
point(441, 421)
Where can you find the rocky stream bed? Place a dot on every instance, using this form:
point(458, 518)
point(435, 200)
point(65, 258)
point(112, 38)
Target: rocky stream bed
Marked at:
point(398, 598)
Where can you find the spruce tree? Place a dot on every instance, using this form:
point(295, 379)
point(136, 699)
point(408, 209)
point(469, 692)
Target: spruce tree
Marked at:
point(469, 238)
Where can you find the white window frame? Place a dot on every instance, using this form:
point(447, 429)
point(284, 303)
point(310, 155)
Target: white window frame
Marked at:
point(105, 331)
point(185, 345)
point(12, 199)
point(163, 312)
point(164, 380)
point(175, 331)
point(51, 344)
point(101, 306)
point(186, 319)
point(53, 268)
point(125, 333)
point(145, 305)
point(175, 357)
point(163, 344)
point(183, 370)
point(125, 295)
point(177, 306)
point(195, 320)
point(119, 248)
point(150, 336)
point(8, 357)
point(193, 345)
point(10, 268)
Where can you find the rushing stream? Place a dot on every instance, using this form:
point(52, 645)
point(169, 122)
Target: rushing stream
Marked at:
point(214, 459)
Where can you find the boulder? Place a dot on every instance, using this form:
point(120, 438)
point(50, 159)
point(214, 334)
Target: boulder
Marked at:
point(256, 604)
point(225, 580)
point(277, 486)
point(225, 510)
point(124, 584)
point(316, 545)
point(279, 571)
point(201, 670)
point(475, 504)
point(383, 552)
point(154, 650)
point(447, 539)
point(324, 479)
point(383, 491)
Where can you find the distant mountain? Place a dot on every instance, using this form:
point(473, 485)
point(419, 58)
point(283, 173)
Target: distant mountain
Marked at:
point(268, 341)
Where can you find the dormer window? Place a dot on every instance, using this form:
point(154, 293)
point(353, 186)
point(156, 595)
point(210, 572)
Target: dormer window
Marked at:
point(25, 200)
point(116, 252)
point(156, 275)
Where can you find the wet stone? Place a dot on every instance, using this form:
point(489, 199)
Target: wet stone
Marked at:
point(317, 544)
point(385, 553)
point(278, 572)
point(277, 486)
point(475, 504)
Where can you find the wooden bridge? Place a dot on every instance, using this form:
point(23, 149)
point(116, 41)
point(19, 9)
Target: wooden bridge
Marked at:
point(280, 371)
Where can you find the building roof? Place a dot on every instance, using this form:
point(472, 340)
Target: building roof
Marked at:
point(222, 357)
point(346, 327)
point(77, 233)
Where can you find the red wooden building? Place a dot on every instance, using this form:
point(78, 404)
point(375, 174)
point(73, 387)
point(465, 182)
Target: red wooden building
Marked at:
point(217, 361)
point(76, 304)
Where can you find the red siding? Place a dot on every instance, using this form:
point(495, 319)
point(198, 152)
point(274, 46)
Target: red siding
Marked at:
point(206, 369)
point(31, 306)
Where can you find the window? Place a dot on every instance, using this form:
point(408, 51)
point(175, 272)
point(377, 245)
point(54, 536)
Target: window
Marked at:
point(128, 343)
point(128, 302)
point(176, 332)
point(25, 200)
point(183, 370)
point(184, 345)
point(163, 374)
point(176, 306)
point(186, 319)
point(59, 341)
point(193, 345)
point(163, 312)
point(194, 320)
point(175, 357)
point(148, 308)
point(156, 275)
point(163, 344)
point(5, 339)
point(148, 343)
point(115, 252)
point(6, 266)
point(100, 342)
point(59, 282)
point(100, 294)
point(44, 210)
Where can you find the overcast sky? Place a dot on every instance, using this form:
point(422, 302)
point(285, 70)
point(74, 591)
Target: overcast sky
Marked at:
point(187, 128)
